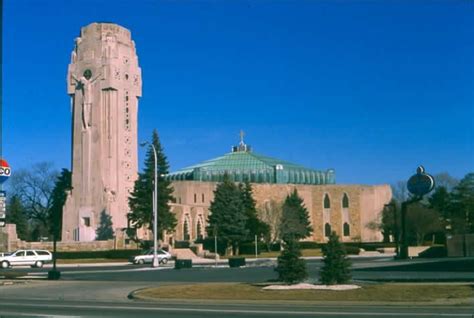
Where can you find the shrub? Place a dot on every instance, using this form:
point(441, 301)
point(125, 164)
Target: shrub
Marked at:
point(434, 252)
point(336, 269)
point(248, 248)
point(183, 263)
point(291, 267)
point(352, 250)
point(54, 275)
point(236, 261)
point(181, 244)
point(275, 247)
point(209, 244)
point(309, 245)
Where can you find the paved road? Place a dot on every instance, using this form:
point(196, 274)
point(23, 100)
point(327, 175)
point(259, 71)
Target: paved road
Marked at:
point(103, 291)
point(143, 273)
point(264, 272)
point(12, 307)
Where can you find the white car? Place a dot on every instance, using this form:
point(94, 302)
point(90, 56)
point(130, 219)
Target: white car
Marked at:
point(147, 257)
point(34, 258)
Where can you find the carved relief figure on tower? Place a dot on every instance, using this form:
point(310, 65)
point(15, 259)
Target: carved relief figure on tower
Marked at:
point(84, 84)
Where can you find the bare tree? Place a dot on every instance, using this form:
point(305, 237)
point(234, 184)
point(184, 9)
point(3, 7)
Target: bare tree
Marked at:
point(421, 221)
point(270, 213)
point(445, 180)
point(400, 191)
point(34, 187)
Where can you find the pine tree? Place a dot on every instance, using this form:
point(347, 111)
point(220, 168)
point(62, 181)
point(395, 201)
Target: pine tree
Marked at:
point(295, 224)
point(228, 218)
point(16, 215)
point(291, 267)
point(254, 225)
point(58, 197)
point(140, 201)
point(336, 268)
point(105, 230)
point(462, 205)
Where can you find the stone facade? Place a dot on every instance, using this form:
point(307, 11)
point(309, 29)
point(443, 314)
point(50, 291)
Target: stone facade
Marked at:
point(10, 242)
point(104, 82)
point(351, 206)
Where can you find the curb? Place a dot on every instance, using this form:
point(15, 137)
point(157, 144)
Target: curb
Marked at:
point(133, 296)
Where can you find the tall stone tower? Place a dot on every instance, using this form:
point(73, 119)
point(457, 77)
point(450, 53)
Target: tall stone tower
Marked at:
point(104, 82)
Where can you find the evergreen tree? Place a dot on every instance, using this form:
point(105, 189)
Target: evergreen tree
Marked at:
point(295, 224)
point(140, 201)
point(254, 225)
point(440, 200)
point(336, 268)
point(105, 230)
point(291, 267)
point(228, 219)
point(58, 198)
point(462, 205)
point(16, 215)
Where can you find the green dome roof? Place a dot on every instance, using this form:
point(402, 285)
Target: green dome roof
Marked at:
point(243, 165)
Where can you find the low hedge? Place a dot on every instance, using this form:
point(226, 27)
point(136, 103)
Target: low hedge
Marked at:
point(181, 244)
point(309, 245)
point(249, 248)
point(110, 254)
point(352, 250)
point(183, 263)
point(434, 252)
point(236, 261)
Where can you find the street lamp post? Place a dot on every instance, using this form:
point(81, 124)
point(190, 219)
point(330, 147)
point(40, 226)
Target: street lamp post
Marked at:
point(418, 185)
point(155, 262)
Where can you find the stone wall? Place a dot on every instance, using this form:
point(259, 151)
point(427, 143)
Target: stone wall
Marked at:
point(365, 204)
point(10, 242)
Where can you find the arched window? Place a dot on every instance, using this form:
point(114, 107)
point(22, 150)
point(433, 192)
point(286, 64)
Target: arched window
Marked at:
point(346, 229)
point(199, 230)
point(327, 202)
point(186, 230)
point(345, 201)
point(327, 230)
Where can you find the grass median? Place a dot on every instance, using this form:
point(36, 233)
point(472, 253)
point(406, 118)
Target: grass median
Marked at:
point(391, 293)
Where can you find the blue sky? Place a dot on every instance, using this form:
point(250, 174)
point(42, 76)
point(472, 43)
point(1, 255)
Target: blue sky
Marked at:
point(369, 88)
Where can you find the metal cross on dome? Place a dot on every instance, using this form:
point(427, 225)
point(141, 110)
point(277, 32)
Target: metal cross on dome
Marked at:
point(242, 134)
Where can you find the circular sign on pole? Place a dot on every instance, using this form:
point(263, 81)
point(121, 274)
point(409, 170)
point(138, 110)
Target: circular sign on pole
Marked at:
point(421, 183)
point(5, 171)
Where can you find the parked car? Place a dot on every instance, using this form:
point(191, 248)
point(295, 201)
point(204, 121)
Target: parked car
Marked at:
point(34, 258)
point(147, 257)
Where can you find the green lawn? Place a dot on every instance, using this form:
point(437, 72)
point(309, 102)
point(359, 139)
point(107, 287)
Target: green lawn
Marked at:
point(392, 292)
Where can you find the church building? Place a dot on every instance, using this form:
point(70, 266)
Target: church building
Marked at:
point(349, 210)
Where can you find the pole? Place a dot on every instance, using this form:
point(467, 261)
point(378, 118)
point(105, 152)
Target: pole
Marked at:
point(256, 247)
point(155, 212)
point(54, 274)
point(404, 247)
point(54, 251)
point(215, 249)
point(397, 244)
